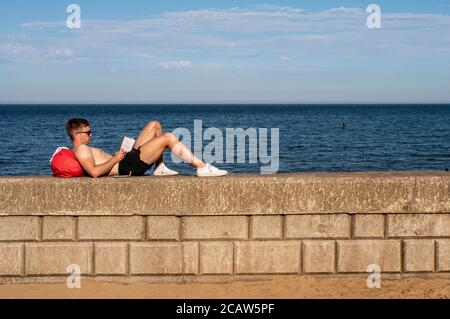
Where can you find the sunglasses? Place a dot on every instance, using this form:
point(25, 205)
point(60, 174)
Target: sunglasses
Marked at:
point(87, 132)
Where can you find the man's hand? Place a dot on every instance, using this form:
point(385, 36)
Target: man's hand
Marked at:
point(119, 155)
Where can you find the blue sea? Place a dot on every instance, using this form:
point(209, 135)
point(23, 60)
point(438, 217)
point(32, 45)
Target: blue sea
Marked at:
point(311, 137)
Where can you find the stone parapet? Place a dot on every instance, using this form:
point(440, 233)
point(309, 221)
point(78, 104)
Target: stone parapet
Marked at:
point(242, 225)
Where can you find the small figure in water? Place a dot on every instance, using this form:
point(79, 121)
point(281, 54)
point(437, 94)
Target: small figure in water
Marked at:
point(344, 125)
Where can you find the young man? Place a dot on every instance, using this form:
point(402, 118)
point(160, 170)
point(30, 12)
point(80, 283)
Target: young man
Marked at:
point(147, 150)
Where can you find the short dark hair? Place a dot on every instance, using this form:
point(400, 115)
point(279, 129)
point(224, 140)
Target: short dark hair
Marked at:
point(75, 124)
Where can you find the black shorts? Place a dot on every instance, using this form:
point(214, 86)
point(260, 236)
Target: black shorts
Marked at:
point(132, 163)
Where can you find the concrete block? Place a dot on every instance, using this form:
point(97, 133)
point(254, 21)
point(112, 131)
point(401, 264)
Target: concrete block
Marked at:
point(163, 228)
point(419, 255)
point(319, 256)
point(111, 228)
point(164, 258)
point(268, 257)
point(19, 228)
point(111, 258)
point(58, 228)
point(318, 226)
point(368, 226)
point(419, 225)
point(11, 259)
point(357, 255)
point(443, 252)
point(54, 258)
point(215, 227)
point(216, 258)
point(267, 227)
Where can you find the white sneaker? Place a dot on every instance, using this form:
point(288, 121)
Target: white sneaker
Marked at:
point(163, 170)
point(209, 170)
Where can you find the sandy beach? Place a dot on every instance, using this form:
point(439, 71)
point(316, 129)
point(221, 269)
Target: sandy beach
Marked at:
point(285, 287)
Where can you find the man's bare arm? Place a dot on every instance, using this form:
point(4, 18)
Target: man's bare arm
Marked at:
point(84, 156)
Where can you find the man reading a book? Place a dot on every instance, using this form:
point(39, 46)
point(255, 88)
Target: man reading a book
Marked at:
point(147, 150)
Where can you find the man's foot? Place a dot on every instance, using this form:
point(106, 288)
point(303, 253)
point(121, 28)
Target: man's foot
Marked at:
point(163, 170)
point(209, 170)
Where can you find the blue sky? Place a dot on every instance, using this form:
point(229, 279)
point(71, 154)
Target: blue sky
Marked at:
point(224, 52)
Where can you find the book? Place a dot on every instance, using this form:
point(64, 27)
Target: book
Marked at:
point(127, 144)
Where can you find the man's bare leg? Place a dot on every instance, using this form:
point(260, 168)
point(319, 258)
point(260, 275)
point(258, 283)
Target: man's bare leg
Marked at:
point(152, 150)
point(150, 131)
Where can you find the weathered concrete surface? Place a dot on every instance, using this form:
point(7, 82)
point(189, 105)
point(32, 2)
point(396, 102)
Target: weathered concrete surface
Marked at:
point(374, 192)
point(186, 228)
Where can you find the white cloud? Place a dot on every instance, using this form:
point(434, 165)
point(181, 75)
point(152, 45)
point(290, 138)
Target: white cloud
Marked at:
point(245, 53)
point(243, 20)
point(17, 50)
point(243, 32)
point(60, 53)
point(258, 11)
point(285, 9)
point(175, 64)
point(27, 52)
point(345, 10)
point(285, 58)
point(43, 24)
point(142, 55)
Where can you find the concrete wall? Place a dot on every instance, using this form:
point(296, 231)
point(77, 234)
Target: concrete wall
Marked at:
point(243, 226)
